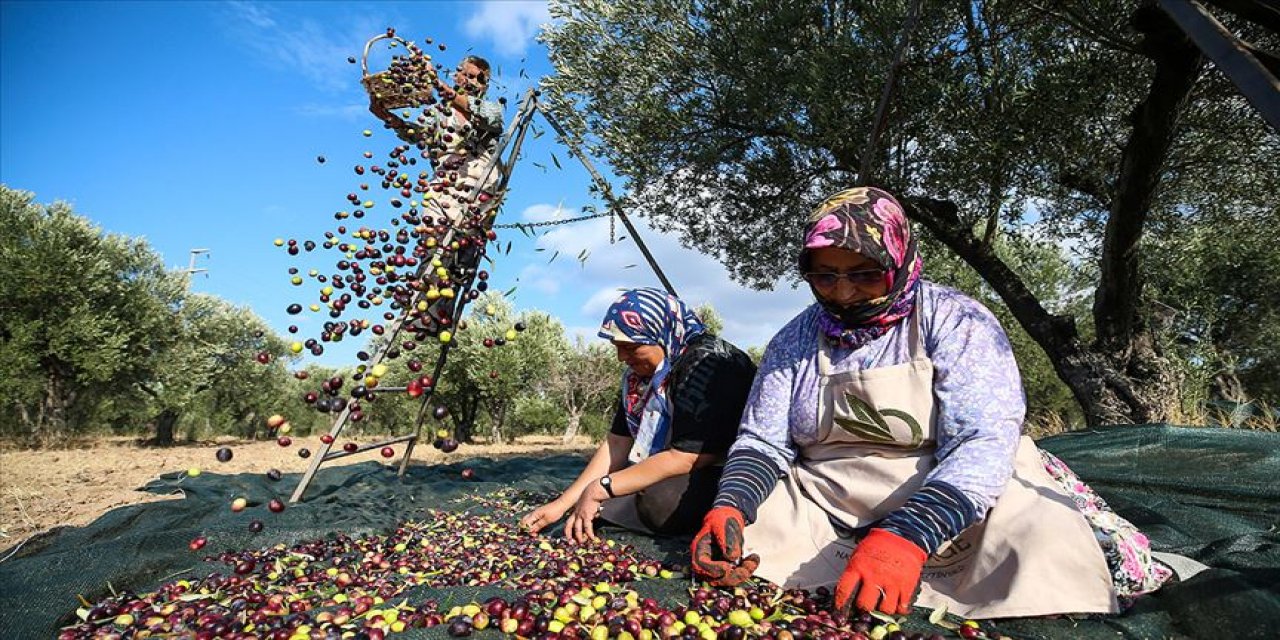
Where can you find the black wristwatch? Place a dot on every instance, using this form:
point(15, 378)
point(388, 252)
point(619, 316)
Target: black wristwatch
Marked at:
point(607, 483)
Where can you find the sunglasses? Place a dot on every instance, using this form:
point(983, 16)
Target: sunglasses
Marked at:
point(866, 277)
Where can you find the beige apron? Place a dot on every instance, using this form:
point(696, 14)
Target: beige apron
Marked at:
point(1034, 554)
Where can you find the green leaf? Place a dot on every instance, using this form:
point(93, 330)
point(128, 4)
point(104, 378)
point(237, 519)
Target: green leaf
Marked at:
point(883, 617)
point(938, 615)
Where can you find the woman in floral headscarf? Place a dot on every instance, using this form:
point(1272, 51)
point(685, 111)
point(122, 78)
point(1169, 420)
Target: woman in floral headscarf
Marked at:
point(881, 451)
point(679, 407)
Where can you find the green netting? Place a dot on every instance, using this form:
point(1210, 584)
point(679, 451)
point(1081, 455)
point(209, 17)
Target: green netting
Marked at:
point(1209, 494)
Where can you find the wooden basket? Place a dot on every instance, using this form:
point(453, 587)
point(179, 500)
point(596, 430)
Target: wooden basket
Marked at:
point(407, 83)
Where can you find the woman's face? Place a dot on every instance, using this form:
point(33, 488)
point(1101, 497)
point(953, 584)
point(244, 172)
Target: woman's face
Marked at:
point(845, 277)
point(642, 358)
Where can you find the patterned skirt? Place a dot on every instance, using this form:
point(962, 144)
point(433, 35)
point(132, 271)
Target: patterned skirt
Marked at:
point(1128, 552)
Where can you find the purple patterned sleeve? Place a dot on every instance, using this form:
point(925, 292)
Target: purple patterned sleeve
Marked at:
point(978, 391)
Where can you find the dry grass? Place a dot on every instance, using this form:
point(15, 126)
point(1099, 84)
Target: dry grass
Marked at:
point(41, 489)
point(1261, 417)
point(1254, 416)
point(1045, 425)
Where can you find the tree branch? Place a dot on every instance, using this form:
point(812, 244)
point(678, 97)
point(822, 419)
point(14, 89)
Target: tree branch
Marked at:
point(1056, 334)
point(1263, 13)
point(1155, 122)
point(1081, 24)
point(1096, 190)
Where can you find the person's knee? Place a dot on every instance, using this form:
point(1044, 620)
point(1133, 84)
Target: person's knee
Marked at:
point(677, 505)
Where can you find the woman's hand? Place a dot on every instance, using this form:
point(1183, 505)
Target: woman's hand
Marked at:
point(717, 549)
point(544, 516)
point(883, 574)
point(579, 527)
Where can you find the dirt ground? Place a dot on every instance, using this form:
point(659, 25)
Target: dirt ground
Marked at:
point(40, 490)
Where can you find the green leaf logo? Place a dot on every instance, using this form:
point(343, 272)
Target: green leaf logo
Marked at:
point(868, 423)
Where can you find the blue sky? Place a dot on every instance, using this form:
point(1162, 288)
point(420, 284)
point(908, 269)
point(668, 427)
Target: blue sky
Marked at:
point(198, 124)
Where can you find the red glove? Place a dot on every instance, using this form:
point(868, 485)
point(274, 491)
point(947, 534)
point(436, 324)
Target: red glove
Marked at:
point(717, 548)
point(885, 570)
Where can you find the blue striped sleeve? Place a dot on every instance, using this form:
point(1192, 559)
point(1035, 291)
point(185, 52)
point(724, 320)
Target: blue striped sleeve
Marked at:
point(936, 513)
point(749, 477)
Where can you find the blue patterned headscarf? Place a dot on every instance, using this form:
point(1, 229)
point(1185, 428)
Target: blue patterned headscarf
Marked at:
point(650, 316)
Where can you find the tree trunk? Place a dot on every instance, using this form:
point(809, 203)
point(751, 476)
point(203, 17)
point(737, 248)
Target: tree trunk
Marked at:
point(1123, 377)
point(51, 421)
point(497, 420)
point(465, 420)
point(249, 426)
point(1105, 384)
point(1226, 387)
point(165, 422)
point(571, 429)
point(24, 416)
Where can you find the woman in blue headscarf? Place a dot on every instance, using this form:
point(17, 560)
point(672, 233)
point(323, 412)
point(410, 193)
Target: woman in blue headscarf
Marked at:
point(680, 402)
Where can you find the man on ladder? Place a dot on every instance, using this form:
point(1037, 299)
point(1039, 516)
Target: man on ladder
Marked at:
point(459, 135)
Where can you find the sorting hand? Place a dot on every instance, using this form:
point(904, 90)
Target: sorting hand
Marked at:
point(717, 549)
point(882, 574)
point(580, 526)
point(542, 517)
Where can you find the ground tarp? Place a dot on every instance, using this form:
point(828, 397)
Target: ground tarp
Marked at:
point(1208, 494)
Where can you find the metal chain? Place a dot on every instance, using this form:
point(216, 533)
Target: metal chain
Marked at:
point(551, 223)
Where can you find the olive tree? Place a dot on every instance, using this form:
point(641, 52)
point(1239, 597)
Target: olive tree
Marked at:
point(491, 363)
point(1093, 125)
point(583, 378)
point(82, 312)
point(212, 368)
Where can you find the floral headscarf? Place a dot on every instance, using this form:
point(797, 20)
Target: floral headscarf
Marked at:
point(650, 316)
point(868, 221)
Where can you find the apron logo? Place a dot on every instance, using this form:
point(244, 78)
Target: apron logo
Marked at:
point(959, 550)
point(868, 423)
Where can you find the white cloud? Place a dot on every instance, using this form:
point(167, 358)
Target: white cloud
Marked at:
point(303, 46)
point(536, 278)
point(509, 25)
point(351, 112)
point(545, 212)
point(586, 334)
point(599, 301)
point(751, 317)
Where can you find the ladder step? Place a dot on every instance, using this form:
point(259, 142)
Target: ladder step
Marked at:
point(334, 455)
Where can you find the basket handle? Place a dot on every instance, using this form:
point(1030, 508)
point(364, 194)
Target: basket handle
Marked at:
point(364, 59)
